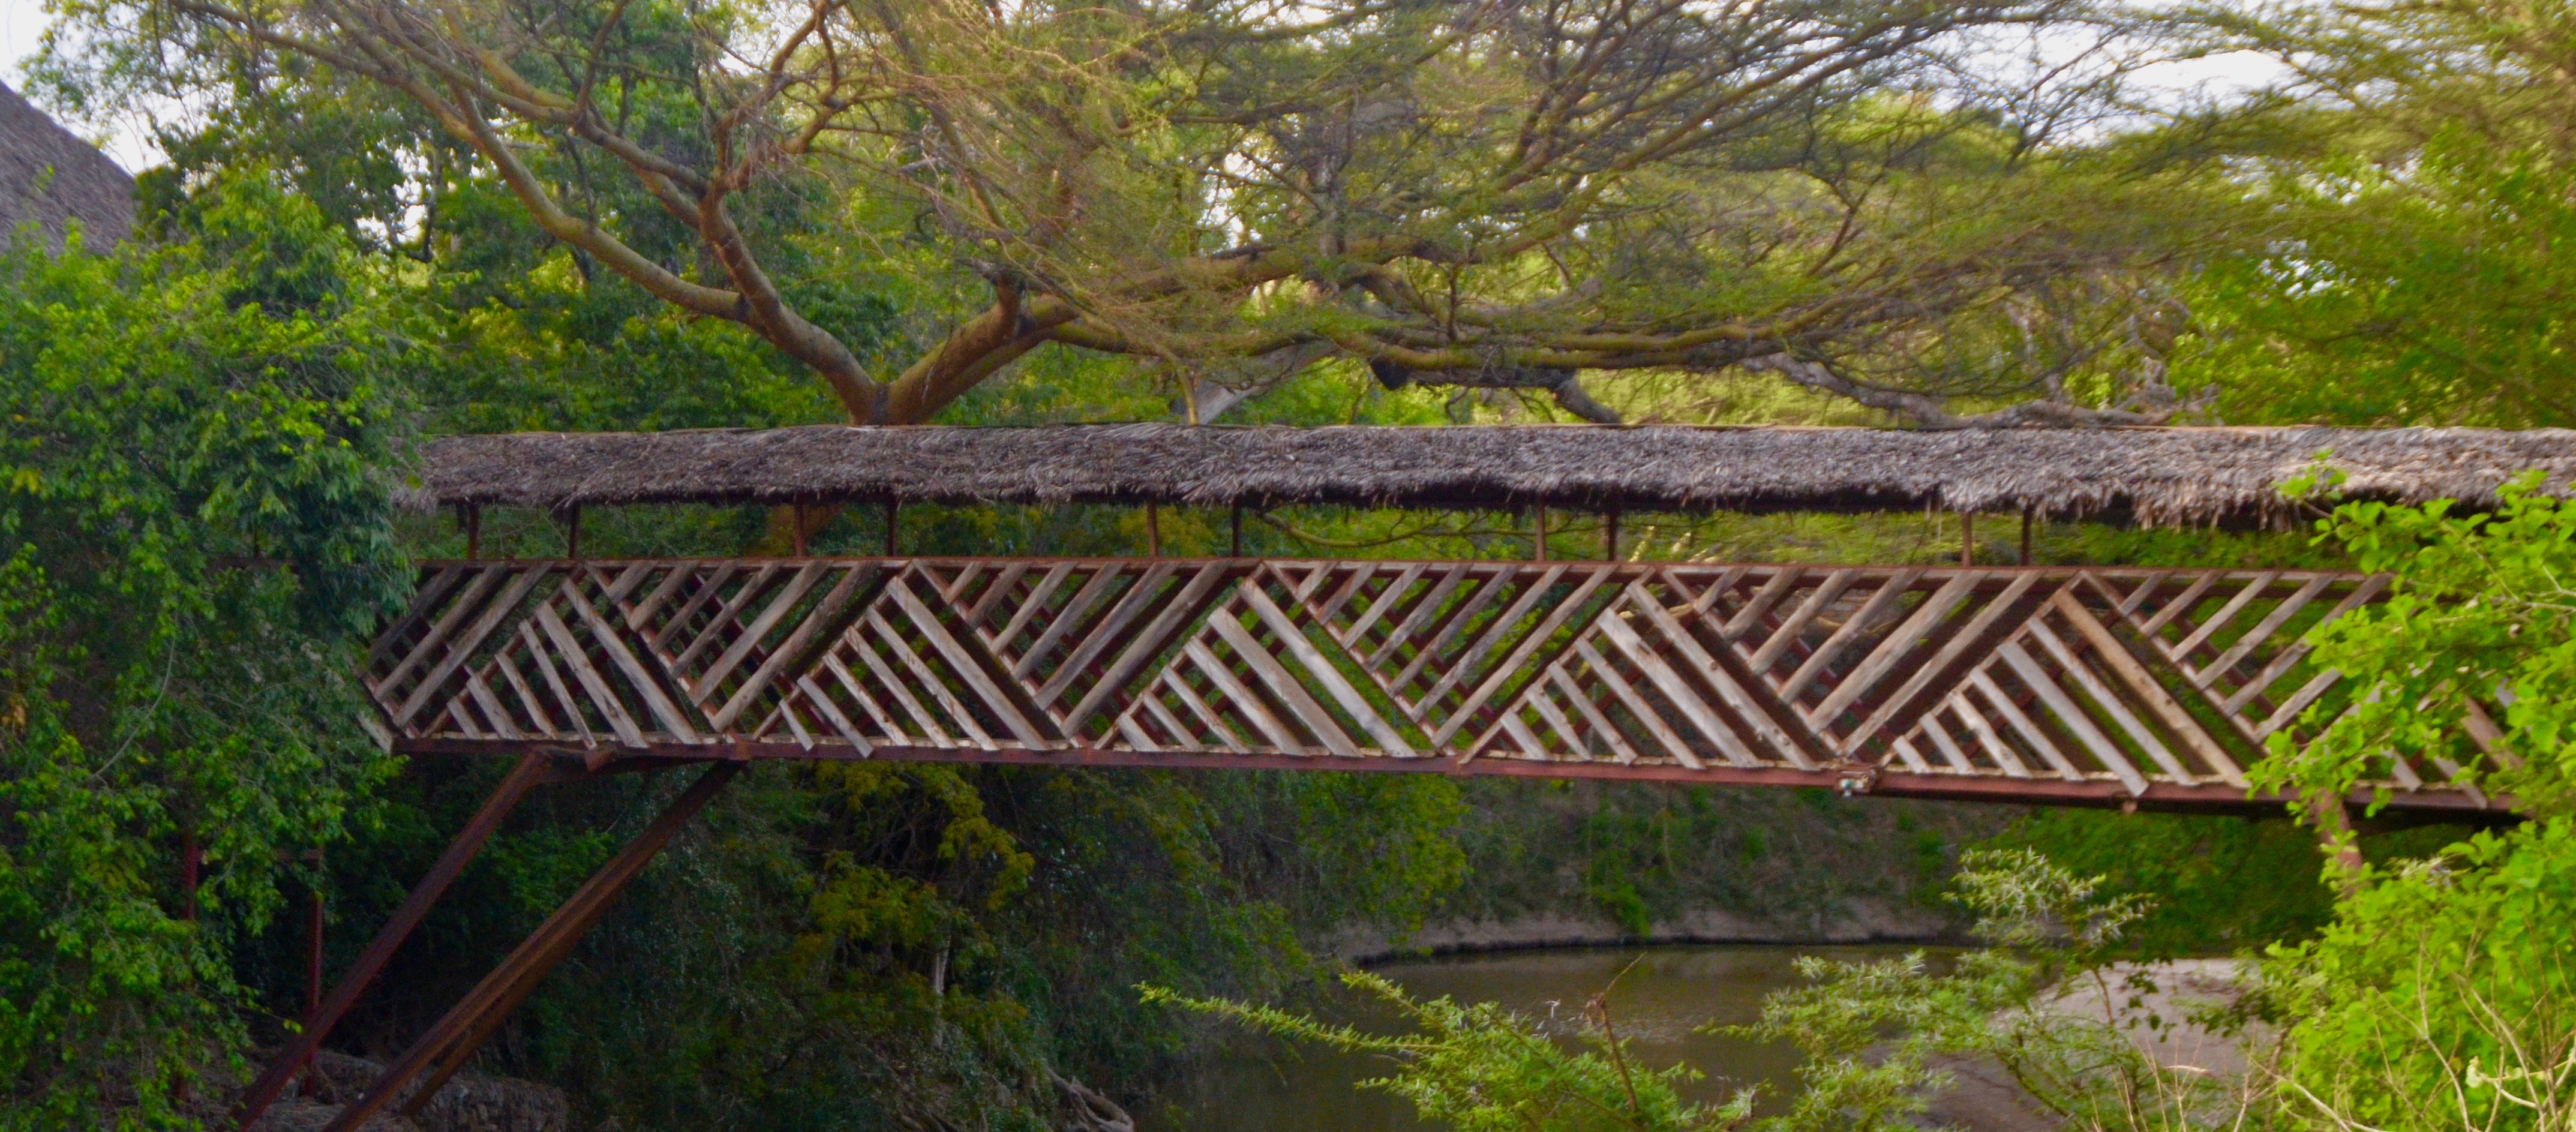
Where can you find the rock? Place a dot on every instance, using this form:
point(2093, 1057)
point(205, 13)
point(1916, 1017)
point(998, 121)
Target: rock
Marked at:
point(1088, 1111)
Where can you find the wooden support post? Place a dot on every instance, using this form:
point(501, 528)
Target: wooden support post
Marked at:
point(796, 528)
point(317, 1024)
point(1237, 543)
point(1539, 542)
point(894, 528)
point(455, 1036)
point(471, 516)
point(1610, 535)
point(572, 534)
point(1967, 539)
point(1153, 531)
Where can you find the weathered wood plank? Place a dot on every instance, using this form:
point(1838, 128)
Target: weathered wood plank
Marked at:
point(928, 677)
point(1069, 618)
point(2144, 685)
point(2191, 642)
point(603, 698)
point(1521, 655)
point(1786, 635)
point(780, 604)
point(2261, 633)
point(1677, 691)
point(1223, 680)
point(2180, 605)
point(1988, 738)
point(555, 681)
point(828, 617)
point(1783, 579)
point(968, 667)
point(1457, 622)
point(1888, 594)
point(1033, 604)
point(1430, 603)
point(1386, 598)
point(1321, 670)
point(1882, 660)
point(2138, 731)
point(2298, 647)
point(1592, 716)
point(1470, 658)
point(1285, 688)
point(1951, 652)
point(1145, 646)
point(1107, 632)
point(2073, 719)
point(1740, 699)
point(1658, 730)
point(726, 619)
point(461, 648)
point(648, 683)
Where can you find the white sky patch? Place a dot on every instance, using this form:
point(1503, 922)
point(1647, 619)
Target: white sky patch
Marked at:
point(22, 34)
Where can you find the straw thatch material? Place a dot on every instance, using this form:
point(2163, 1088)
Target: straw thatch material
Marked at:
point(49, 177)
point(2153, 475)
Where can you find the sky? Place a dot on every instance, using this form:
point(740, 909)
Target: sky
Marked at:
point(22, 22)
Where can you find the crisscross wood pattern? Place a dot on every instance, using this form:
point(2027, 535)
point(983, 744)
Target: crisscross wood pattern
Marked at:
point(2036, 684)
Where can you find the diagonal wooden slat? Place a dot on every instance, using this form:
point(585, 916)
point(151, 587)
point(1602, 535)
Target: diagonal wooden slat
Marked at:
point(2034, 676)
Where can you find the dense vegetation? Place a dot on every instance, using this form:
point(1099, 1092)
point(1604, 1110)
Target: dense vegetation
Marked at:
point(1058, 212)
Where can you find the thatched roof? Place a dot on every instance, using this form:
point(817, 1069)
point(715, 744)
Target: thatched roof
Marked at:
point(2155, 475)
point(48, 177)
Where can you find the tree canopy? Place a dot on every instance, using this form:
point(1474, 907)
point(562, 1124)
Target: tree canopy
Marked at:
point(1893, 200)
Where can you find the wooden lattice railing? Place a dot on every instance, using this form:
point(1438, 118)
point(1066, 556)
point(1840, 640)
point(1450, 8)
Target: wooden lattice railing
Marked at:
point(2047, 684)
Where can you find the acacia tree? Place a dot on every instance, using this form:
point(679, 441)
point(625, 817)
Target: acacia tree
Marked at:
point(1488, 193)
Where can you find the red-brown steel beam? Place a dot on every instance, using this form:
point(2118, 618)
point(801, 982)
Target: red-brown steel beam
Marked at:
point(533, 768)
point(456, 1035)
point(2091, 794)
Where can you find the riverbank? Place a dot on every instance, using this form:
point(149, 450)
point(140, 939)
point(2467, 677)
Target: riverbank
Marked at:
point(1846, 922)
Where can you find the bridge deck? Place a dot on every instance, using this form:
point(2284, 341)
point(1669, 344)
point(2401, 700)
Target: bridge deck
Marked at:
point(2054, 685)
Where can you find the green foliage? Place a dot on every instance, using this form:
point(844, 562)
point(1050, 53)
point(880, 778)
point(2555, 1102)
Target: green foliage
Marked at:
point(2480, 611)
point(195, 519)
point(1870, 1032)
point(2222, 885)
point(2042, 1002)
point(1482, 1068)
point(2444, 995)
point(2408, 268)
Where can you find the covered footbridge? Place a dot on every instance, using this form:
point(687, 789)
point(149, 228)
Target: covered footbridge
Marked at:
point(2053, 685)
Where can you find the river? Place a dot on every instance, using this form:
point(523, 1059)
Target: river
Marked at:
point(1662, 1001)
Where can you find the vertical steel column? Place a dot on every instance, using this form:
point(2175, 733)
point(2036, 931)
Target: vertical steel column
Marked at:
point(456, 1035)
point(263, 1092)
point(313, 965)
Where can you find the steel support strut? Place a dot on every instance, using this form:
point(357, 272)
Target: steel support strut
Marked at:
point(317, 1024)
point(456, 1035)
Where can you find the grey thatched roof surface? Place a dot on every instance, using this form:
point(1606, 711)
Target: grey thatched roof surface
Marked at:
point(2156, 475)
point(49, 177)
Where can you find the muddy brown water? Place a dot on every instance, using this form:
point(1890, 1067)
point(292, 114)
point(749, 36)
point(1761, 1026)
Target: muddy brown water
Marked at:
point(1661, 1004)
